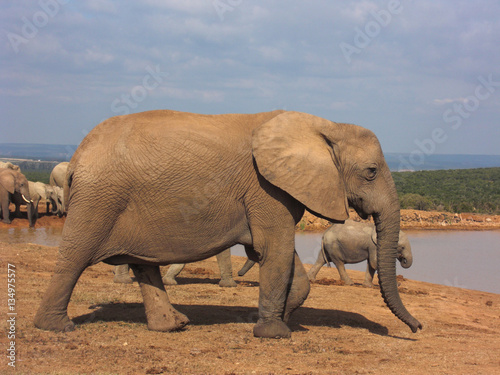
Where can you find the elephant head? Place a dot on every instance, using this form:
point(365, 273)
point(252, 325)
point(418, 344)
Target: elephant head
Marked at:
point(55, 195)
point(14, 183)
point(328, 167)
point(405, 256)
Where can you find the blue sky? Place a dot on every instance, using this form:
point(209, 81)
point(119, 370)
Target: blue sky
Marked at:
point(423, 75)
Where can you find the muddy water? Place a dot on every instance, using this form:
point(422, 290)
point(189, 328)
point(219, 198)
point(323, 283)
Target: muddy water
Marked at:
point(468, 259)
point(40, 236)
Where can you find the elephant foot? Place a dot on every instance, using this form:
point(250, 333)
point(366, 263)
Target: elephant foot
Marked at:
point(7, 221)
point(167, 322)
point(55, 323)
point(169, 281)
point(272, 329)
point(227, 283)
point(367, 285)
point(122, 279)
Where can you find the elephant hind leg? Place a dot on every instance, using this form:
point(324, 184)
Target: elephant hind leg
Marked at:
point(226, 269)
point(172, 272)
point(121, 275)
point(299, 289)
point(160, 314)
point(52, 315)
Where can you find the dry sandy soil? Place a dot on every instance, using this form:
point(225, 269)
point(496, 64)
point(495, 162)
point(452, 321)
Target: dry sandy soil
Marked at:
point(339, 330)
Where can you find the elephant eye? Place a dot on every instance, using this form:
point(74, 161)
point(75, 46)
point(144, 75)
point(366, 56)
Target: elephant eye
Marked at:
point(371, 173)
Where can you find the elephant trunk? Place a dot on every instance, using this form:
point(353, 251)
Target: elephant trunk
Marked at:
point(406, 260)
point(387, 226)
point(31, 212)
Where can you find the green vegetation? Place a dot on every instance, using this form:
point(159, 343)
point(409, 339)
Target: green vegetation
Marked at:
point(33, 175)
point(456, 190)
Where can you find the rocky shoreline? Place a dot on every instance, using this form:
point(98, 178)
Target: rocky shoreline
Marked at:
point(410, 220)
point(417, 220)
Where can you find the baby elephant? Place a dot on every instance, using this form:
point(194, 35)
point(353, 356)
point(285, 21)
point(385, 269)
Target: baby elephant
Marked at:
point(354, 242)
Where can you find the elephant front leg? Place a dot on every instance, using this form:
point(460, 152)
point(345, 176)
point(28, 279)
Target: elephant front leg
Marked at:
point(274, 282)
point(5, 211)
point(160, 314)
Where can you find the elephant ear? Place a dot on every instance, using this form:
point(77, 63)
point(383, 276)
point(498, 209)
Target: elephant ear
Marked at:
point(7, 181)
point(292, 153)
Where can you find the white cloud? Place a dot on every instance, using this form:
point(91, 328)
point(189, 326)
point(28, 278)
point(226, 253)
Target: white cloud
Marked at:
point(358, 11)
point(262, 54)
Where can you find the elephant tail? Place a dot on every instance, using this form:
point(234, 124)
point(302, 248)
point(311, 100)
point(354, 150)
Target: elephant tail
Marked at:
point(326, 258)
point(246, 267)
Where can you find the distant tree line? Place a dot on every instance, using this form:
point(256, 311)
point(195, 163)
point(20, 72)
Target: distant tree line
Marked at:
point(457, 190)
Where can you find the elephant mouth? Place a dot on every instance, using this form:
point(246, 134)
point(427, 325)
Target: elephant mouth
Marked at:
point(360, 212)
point(404, 262)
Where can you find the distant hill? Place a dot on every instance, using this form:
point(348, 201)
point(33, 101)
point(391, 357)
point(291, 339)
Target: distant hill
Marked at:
point(396, 161)
point(420, 162)
point(37, 151)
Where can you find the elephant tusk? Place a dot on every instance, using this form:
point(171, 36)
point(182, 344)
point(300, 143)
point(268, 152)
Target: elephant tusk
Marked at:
point(26, 200)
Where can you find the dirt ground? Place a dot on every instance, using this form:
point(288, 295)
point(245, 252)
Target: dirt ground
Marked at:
point(339, 330)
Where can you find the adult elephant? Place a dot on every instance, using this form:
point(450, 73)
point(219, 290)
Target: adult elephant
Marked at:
point(181, 187)
point(37, 193)
point(51, 195)
point(14, 187)
point(9, 165)
point(354, 242)
point(57, 177)
point(223, 260)
point(58, 174)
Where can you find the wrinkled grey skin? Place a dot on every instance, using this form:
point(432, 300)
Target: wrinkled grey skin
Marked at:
point(14, 187)
point(223, 260)
point(181, 187)
point(354, 242)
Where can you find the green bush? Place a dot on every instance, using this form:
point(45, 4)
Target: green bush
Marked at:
point(41, 176)
point(456, 190)
point(416, 202)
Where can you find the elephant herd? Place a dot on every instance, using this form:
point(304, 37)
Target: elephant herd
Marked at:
point(15, 188)
point(350, 243)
